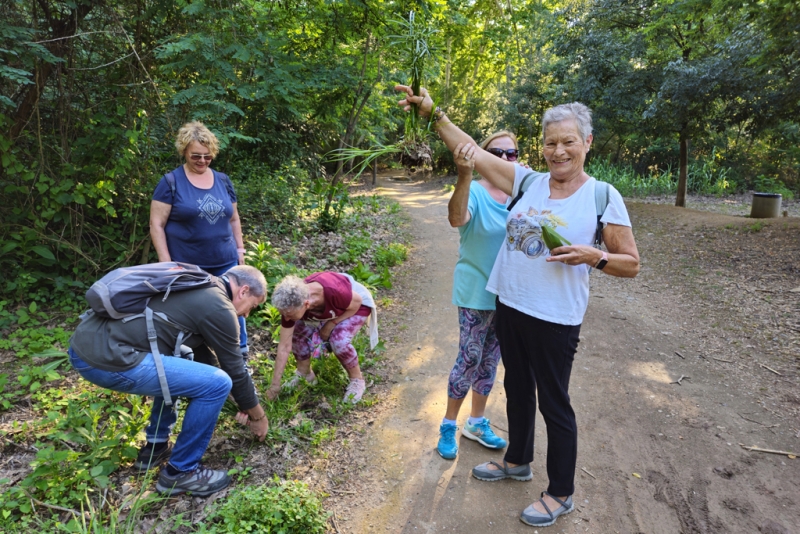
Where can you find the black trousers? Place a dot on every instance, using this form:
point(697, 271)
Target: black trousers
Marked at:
point(538, 358)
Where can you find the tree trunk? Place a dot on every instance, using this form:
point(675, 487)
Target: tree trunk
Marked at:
point(359, 100)
point(683, 176)
point(59, 44)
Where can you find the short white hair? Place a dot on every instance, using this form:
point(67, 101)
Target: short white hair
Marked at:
point(574, 110)
point(290, 293)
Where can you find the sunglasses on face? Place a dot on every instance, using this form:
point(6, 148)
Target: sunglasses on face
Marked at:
point(198, 157)
point(511, 153)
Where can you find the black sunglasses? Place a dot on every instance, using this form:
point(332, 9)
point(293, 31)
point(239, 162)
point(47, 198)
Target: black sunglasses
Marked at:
point(198, 157)
point(511, 153)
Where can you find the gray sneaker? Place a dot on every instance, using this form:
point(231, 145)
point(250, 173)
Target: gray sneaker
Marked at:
point(201, 482)
point(531, 516)
point(521, 472)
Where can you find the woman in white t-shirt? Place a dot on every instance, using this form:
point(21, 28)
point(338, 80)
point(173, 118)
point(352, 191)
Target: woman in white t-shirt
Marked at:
point(542, 294)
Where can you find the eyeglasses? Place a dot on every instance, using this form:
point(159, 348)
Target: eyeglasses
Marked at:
point(198, 157)
point(511, 153)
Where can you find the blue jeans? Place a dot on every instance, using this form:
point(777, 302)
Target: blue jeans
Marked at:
point(205, 386)
point(219, 271)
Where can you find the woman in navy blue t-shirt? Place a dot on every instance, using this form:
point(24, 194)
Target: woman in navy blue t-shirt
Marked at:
point(193, 215)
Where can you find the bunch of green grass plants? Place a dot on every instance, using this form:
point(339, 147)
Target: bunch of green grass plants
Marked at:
point(287, 506)
point(390, 255)
point(414, 41)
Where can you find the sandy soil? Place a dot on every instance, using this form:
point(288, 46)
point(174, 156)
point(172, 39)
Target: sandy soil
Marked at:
point(716, 302)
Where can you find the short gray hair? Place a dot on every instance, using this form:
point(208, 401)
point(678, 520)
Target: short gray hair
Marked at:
point(246, 275)
point(574, 110)
point(290, 293)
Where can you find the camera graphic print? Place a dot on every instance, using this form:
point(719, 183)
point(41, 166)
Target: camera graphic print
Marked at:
point(210, 208)
point(524, 231)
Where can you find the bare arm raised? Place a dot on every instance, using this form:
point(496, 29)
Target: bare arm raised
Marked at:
point(498, 171)
point(458, 207)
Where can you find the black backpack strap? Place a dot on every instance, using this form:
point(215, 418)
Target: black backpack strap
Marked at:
point(527, 180)
point(600, 204)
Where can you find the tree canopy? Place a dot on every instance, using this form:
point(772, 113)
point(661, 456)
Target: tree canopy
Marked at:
point(92, 93)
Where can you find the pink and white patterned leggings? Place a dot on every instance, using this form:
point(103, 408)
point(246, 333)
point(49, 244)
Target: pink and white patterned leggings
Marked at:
point(306, 341)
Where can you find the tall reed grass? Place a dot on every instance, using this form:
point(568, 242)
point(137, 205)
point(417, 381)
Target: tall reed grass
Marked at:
point(703, 179)
point(631, 184)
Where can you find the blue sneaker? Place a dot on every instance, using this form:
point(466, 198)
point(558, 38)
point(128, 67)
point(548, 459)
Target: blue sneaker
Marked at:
point(482, 433)
point(447, 447)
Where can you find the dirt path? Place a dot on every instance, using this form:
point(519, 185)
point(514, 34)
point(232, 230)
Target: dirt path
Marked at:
point(654, 456)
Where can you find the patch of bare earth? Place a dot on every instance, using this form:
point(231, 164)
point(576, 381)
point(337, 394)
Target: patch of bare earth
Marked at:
point(676, 370)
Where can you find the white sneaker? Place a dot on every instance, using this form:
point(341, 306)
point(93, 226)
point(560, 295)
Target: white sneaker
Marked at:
point(355, 390)
point(310, 378)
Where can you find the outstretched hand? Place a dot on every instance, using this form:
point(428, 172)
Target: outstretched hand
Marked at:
point(423, 101)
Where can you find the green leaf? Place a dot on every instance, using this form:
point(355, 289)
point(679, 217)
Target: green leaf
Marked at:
point(43, 252)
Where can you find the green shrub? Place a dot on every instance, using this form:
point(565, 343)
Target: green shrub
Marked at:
point(391, 255)
point(287, 506)
point(768, 184)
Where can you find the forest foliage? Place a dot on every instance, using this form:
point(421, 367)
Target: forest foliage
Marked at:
point(93, 91)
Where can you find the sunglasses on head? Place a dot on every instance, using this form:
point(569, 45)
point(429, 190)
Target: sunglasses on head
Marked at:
point(511, 153)
point(198, 157)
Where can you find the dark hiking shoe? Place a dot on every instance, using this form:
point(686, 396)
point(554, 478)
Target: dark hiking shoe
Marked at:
point(201, 482)
point(151, 455)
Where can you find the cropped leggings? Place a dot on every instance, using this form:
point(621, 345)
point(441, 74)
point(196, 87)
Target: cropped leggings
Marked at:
point(478, 354)
point(306, 341)
point(538, 358)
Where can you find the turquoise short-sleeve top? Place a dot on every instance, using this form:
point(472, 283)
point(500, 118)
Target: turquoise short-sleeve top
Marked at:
point(481, 239)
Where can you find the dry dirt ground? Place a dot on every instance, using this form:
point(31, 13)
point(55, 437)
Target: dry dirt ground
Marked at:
point(716, 303)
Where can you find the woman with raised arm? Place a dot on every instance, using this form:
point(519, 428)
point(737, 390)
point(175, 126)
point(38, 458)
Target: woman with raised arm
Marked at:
point(478, 209)
point(543, 289)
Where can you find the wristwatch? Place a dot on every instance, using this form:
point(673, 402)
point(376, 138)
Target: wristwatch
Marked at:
point(602, 262)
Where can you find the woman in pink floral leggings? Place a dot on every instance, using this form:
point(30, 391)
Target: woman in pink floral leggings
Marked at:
point(325, 307)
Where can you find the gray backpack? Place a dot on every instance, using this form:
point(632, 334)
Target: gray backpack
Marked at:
point(125, 293)
point(600, 200)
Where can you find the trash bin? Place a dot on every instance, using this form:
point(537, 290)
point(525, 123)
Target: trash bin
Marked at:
point(766, 206)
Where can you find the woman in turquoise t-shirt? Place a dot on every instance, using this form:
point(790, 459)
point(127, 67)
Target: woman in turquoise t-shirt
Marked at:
point(478, 210)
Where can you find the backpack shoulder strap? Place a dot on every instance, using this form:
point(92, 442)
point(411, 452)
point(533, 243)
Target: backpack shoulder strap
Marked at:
point(600, 204)
point(526, 183)
point(170, 177)
point(227, 181)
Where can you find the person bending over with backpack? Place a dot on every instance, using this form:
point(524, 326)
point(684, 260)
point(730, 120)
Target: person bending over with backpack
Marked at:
point(116, 354)
point(194, 216)
point(541, 280)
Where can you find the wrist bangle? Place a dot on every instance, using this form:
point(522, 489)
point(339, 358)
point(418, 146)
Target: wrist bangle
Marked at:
point(437, 114)
point(252, 420)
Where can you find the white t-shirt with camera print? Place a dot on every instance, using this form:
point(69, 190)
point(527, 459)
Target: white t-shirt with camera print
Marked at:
point(521, 278)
